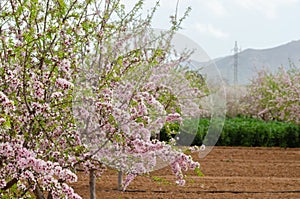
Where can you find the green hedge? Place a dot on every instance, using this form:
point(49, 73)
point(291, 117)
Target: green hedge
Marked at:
point(251, 132)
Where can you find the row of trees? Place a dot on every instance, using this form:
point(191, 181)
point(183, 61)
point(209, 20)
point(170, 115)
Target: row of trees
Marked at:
point(84, 85)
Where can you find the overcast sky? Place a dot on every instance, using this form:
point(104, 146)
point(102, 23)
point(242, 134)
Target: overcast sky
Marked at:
point(216, 24)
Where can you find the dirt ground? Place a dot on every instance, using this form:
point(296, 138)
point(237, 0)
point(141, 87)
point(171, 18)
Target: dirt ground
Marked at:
point(229, 172)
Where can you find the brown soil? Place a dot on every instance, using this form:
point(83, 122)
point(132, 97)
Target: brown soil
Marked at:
point(229, 172)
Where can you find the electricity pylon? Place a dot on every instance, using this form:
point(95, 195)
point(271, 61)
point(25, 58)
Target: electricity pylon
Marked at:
point(236, 51)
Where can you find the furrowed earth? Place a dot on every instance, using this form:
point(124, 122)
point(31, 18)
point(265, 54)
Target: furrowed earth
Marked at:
point(229, 172)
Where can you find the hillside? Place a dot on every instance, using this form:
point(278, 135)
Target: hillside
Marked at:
point(252, 60)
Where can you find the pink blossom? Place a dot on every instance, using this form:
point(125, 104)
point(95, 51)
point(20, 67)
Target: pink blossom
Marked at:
point(56, 95)
point(63, 84)
point(2, 120)
point(180, 182)
point(2, 183)
point(129, 178)
point(174, 117)
point(65, 65)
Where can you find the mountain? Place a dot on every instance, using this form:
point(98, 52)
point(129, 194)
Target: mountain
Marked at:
point(252, 60)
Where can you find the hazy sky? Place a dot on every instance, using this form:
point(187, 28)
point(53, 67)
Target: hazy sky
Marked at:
point(216, 24)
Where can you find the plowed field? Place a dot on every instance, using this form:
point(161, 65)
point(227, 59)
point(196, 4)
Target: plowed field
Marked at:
point(229, 172)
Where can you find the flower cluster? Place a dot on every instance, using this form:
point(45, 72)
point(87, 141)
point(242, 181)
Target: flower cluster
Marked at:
point(24, 166)
point(7, 105)
point(174, 117)
point(63, 84)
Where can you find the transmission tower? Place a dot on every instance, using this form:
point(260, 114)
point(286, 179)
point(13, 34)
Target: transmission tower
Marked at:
point(236, 63)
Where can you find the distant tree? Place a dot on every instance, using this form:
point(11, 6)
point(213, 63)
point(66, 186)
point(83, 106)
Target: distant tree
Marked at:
point(275, 96)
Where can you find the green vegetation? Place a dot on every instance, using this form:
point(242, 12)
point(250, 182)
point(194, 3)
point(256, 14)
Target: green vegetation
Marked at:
point(241, 131)
point(255, 132)
point(161, 180)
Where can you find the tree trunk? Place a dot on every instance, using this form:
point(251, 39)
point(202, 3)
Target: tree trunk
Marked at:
point(92, 184)
point(120, 181)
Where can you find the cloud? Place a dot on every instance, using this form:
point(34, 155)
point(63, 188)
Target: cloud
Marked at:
point(216, 7)
point(209, 29)
point(268, 8)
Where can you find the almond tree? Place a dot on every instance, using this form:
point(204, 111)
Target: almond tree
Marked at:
point(52, 49)
point(275, 96)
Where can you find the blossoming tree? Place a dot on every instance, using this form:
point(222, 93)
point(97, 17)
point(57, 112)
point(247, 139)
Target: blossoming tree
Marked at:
point(275, 96)
point(76, 91)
